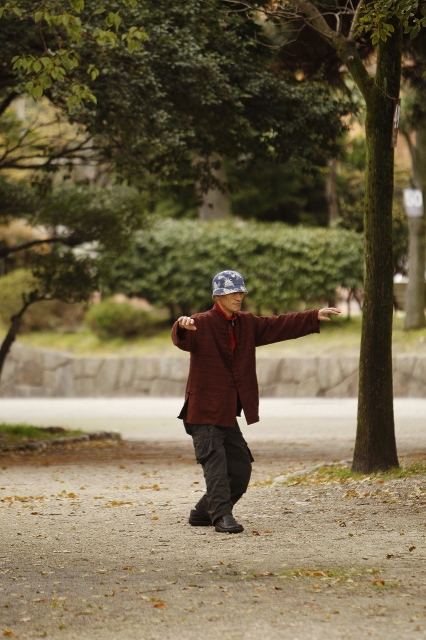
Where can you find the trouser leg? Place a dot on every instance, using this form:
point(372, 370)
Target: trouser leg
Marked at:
point(239, 461)
point(226, 462)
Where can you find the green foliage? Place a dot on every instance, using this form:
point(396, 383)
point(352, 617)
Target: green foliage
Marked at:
point(109, 319)
point(271, 192)
point(13, 287)
point(62, 27)
point(173, 264)
point(376, 18)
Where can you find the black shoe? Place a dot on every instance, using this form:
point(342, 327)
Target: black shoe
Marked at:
point(197, 519)
point(227, 524)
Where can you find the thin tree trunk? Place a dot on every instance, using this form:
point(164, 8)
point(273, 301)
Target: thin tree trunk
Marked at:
point(331, 193)
point(415, 305)
point(415, 309)
point(375, 446)
point(216, 204)
point(9, 340)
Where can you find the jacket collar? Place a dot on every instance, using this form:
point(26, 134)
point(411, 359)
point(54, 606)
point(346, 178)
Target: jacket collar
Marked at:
point(223, 314)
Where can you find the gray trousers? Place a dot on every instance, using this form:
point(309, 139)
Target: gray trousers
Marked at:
point(226, 461)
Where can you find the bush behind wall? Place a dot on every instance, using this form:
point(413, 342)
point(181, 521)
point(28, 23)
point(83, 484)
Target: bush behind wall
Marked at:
point(172, 264)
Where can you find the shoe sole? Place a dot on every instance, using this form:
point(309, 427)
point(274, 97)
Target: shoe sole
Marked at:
point(200, 524)
point(234, 530)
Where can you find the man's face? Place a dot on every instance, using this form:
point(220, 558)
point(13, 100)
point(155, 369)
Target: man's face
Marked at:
point(231, 303)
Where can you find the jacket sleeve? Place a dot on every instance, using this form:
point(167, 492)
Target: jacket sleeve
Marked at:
point(183, 338)
point(269, 329)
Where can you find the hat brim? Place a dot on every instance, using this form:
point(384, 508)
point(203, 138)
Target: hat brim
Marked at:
point(226, 291)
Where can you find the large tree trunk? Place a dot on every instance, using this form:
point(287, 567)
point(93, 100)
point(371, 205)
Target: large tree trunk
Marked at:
point(375, 446)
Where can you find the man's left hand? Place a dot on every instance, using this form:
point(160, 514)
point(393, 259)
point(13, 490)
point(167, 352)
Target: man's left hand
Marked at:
point(323, 313)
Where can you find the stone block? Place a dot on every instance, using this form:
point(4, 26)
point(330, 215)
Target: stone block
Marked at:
point(30, 371)
point(419, 371)
point(179, 369)
point(416, 389)
point(87, 367)
point(162, 387)
point(304, 368)
point(329, 373)
point(268, 370)
point(279, 390)
point(9, 370)
point(309, 388)
point(64, 386)
point(127, 372)
point(349, 365)
point(347, 388)
point(85, 388)
point(401, 384)
point(146, 368)
point(52, 360)
point(404, 364)
point(108, 376)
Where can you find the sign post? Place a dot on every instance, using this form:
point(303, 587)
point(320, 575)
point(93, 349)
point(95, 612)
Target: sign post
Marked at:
point(415, 305)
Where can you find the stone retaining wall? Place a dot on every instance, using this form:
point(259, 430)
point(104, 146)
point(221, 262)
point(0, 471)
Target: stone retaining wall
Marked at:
point(33, 373)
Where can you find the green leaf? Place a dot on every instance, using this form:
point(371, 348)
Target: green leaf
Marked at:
point(37, 92)
point(38, 16)
point(17, 11)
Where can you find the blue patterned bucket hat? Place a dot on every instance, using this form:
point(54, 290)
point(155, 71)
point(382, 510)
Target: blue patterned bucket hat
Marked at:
point(228, 282)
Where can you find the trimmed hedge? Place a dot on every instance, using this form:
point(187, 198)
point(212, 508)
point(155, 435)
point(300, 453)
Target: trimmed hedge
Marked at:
point(110, 319)
point(173, 263)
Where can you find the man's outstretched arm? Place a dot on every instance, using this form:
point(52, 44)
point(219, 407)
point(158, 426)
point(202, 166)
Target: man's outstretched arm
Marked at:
point(270, 329)
point(184, 333)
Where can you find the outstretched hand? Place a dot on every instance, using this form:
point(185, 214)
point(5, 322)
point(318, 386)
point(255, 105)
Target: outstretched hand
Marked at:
point(187, 323)
point(323, 313)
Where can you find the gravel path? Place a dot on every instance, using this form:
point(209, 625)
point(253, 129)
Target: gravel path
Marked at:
point(95, 544)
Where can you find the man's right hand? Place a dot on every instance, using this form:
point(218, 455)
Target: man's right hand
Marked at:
point(187, 323)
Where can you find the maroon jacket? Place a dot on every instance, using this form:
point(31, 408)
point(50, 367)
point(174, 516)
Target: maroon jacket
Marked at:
point(218, 376)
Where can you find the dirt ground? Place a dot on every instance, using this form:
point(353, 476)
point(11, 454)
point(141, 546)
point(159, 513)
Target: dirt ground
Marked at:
point(96, 544)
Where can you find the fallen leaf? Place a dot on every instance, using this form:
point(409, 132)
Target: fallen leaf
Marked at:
point(71, 495)
point(154, 518)
point(127, 569)
point(8, 633)
point(34, 513)
point(40, 600)
point(217, 602)
point(160, 605)
point(278, 588)
point(174, 582)
point(27, 619)
point(267, 531)
point(378, 582)
point(220, 562)
point(390, 555)
point(411, 549)
point(255, 533)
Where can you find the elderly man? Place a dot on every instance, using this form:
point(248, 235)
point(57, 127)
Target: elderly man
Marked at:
point(222, 382)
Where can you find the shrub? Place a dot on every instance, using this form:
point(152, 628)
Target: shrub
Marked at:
point(285, 267)
point(110, 319)
point(48, 315)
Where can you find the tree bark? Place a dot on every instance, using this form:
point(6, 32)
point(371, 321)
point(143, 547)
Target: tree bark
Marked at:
point(375, 446)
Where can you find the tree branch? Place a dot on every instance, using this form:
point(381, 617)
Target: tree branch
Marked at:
point(355, 20)
point(69, 242)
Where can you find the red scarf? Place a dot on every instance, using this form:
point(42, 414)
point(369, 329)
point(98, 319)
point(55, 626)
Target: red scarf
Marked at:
point(231, 330)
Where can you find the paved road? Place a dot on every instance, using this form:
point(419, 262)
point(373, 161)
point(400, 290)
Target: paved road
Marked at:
point(327, 424)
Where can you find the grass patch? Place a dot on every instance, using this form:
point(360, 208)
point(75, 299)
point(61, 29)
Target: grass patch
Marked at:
point(344, 474)
point(25, 432)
